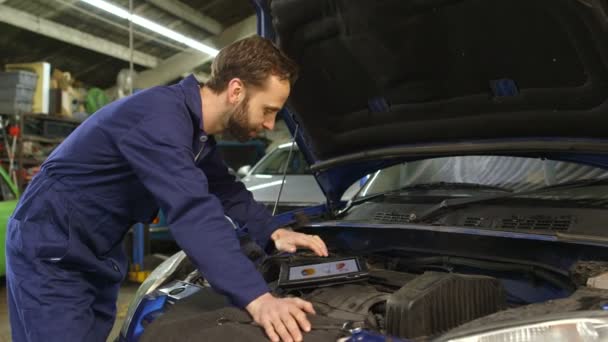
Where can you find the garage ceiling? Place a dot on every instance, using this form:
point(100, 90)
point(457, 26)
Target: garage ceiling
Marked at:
point(93, 45)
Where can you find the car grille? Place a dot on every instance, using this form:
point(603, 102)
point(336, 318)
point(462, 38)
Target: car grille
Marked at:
point(562, 223)
point(531, 223)
point(386, 217)
point(547, 223)
point(473, 221)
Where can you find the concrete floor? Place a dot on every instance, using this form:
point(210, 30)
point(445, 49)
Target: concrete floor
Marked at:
point(127, 291)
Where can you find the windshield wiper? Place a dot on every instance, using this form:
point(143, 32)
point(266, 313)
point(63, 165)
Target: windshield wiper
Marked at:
point(355, 201)
point(454, 203)
point(423, 186)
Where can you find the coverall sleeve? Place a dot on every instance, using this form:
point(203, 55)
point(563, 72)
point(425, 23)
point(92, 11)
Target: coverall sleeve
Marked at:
point(159, 150)
point(237, 201)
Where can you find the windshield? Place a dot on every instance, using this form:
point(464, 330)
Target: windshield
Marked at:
point(512, 173)
point(275, 162)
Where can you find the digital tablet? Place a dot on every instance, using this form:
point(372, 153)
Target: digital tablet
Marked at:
point(321, 273)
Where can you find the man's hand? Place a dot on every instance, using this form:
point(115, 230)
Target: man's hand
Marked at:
point(289, 241)
point(282, 318)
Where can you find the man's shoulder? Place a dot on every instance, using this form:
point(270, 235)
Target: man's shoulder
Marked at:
point(160, 101)
point(158, 97)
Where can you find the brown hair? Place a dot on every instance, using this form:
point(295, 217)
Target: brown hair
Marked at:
point(252, 60)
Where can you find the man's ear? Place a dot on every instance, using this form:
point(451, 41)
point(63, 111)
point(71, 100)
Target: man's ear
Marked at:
point(236, 90)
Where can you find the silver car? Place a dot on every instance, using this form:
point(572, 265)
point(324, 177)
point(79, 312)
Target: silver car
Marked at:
point(301, 188)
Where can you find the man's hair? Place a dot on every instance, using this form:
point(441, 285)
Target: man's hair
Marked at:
point(252, 60)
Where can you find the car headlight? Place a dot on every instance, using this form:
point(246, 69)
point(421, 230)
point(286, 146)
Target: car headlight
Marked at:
point(588, 326)
point(157, 278)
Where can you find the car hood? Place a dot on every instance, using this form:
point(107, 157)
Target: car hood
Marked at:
point(386, 81)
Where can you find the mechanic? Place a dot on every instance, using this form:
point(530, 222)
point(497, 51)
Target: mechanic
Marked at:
point(153, 149)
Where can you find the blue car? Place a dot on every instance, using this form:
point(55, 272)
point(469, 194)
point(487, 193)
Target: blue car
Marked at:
point(483, 127)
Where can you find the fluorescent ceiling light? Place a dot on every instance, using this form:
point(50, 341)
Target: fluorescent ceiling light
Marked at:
point(152, 26)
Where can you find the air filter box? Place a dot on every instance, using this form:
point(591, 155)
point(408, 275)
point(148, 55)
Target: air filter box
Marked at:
point(436, 302)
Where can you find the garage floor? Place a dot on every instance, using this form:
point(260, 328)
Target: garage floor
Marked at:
point(127, 291)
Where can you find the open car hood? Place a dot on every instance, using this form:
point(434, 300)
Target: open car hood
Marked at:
point(393, 80)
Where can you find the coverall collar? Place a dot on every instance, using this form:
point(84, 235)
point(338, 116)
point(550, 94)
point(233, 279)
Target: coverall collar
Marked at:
point(192, 93)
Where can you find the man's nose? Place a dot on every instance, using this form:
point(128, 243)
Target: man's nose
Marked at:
point(269, 122)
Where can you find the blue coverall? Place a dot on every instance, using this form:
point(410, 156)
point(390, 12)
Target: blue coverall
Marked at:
point(65, 256)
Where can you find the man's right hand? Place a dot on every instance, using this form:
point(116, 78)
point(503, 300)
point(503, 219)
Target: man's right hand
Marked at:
point(282, 318)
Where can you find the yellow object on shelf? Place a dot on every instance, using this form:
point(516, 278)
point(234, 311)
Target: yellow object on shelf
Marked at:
point(137, 275)
point(43, 85)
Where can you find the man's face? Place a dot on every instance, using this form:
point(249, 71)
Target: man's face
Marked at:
point(258, 110)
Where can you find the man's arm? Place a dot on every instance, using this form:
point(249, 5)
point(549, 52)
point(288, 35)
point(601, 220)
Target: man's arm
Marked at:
point(240, 205)
point(237, 201)
point(159, 151)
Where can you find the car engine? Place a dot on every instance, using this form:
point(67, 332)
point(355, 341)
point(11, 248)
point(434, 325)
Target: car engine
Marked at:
point(400, 304)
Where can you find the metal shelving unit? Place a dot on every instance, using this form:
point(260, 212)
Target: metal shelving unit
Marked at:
point(42, 139)
point(33, 128)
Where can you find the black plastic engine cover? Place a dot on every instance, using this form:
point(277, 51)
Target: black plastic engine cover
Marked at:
point(436, 302)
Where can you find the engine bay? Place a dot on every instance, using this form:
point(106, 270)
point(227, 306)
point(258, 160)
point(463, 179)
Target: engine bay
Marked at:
point(390, 302)
point(391, 296)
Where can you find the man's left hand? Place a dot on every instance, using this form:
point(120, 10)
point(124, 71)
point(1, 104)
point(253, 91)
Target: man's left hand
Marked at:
point(289, 241)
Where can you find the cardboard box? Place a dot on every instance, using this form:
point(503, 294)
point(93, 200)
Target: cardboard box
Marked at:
point(43, 85)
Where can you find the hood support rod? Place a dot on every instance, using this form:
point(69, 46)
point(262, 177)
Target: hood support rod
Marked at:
point(293, 141)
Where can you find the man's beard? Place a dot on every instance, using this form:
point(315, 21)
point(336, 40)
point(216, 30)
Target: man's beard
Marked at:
point(238, 123)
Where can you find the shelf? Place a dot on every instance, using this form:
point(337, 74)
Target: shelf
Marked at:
point(52, 118)
point(40, 128)
point(43, 117)
point(26, 161)
point(42, 139)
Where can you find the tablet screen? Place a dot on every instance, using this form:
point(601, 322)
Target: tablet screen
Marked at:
point(325, 269)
